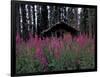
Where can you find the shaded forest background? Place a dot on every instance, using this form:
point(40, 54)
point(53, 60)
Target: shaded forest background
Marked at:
point(35, 18)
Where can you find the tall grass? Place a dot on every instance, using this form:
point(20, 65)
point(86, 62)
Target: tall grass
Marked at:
point(54, 54)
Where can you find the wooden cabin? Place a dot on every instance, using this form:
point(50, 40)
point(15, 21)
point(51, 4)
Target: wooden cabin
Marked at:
point(60, 29)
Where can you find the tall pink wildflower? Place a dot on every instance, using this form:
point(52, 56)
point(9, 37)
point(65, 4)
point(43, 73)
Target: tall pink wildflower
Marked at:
point(67, 37)
point(37, 44)
point(40, 55)
point(82, 40)
point(56, 46)
point(18, 39)
point(30, 42)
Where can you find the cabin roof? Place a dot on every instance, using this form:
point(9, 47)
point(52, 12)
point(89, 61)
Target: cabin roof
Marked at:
point(56, 25)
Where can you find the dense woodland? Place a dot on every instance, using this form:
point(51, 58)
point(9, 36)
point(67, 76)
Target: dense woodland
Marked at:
point(35, 18)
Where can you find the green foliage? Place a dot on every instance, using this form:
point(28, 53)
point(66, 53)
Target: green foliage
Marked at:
point(71, 58)
point(25, 64)
point(33, 50)
point(87, 60)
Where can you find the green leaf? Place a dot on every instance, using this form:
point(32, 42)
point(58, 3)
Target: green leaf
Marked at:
point(33, 50)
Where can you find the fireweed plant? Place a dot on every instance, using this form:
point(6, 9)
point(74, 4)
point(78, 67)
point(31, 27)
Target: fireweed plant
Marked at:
point(54, 54)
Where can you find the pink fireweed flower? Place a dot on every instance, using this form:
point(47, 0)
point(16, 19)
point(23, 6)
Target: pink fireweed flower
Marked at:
point(40, 55)
point(67, 37)
point(18, 38)
point(56, 45)
point(33, 42)
point(30, 42)
point(38, 52)
point(82, 40)
point(57, 53)
point(61, 43)
point(44, 61)
point(37, 44)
